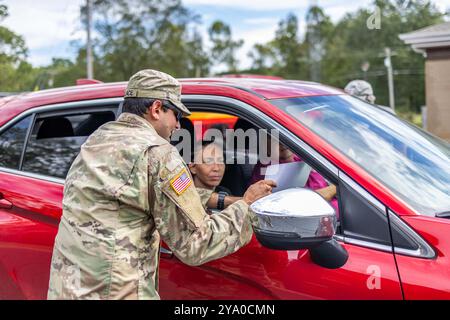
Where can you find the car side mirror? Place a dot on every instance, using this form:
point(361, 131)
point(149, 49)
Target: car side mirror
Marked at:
point(299, 218)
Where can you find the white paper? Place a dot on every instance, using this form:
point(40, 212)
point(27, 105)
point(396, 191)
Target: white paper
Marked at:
point(288, 175)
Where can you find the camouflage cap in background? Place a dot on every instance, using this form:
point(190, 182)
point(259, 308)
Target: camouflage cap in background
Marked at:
point(154, 84)
point(361, 89)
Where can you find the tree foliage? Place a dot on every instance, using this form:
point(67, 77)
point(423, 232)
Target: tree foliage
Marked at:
point(334, 53)
point(224, 47)
point(147, 33)
point(15, 73)
point(163, 34)
point(352, 44)
point(137, 34)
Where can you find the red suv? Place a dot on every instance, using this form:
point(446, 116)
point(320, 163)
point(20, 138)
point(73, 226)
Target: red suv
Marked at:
point(393, 183)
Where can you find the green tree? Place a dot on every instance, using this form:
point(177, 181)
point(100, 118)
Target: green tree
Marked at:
point(198, 59)
point(145, 34)
point(284, 55)
point(12, 45)
point(318, 31)
point(134, 35)
point(290, 55)
point(263, 58)
point(334, 54)
point(352, 44)
point(16, 74)
point(224, 47)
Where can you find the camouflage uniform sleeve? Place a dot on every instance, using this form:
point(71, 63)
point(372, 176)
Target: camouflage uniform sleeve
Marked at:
point(204, 194)
point(193, 236)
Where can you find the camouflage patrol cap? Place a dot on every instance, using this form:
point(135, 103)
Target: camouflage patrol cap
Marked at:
point(361, 89)
point(154, 84)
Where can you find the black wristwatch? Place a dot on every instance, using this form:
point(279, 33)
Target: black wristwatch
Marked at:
point(221, 200)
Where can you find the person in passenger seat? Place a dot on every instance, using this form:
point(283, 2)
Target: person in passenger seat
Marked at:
point(207, 169)
point(315, 180)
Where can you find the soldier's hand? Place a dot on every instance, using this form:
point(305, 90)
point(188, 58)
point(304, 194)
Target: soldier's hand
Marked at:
point(258, 190)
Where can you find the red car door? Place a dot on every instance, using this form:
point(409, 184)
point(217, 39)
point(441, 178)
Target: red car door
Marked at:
point(255, 272)
point(37, 152)
point(27, 232)
point(29, 212)
point(426, 275)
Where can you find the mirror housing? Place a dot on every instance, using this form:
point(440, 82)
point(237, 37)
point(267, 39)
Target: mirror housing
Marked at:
point(299, 218)
point(293, 219)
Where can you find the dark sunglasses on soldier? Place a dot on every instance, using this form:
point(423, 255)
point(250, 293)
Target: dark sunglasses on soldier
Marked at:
point(177, 113)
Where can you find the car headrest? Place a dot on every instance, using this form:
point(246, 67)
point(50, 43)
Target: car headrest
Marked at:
point(55, 128)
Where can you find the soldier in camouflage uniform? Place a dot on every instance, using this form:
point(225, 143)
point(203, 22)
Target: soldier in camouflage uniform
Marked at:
point(363, 90)
point(127, 189)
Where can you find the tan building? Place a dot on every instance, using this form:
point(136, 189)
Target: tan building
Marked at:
point(434, 43)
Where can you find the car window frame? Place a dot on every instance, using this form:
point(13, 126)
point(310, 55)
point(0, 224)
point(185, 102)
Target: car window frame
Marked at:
point(63, 112)
point(66, 108)
point(330, 171)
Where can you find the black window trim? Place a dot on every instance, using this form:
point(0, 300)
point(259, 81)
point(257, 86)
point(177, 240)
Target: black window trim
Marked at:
point(424, 250)
point(363, 192)
point(27, 137)
point(75, 111)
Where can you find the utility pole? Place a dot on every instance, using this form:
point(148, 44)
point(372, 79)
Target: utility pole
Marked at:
point(388, 64)
point(89, 56)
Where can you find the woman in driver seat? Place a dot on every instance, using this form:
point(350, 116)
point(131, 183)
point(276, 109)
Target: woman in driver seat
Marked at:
point(207, 169)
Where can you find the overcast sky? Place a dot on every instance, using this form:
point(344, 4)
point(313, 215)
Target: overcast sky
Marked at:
point(49, 26)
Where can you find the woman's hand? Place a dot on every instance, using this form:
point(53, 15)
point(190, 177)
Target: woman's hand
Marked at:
point(328, 193)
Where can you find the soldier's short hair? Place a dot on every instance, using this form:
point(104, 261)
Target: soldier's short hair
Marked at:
point(139, 106)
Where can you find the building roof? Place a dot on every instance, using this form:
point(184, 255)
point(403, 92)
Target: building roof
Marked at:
point(435, 36)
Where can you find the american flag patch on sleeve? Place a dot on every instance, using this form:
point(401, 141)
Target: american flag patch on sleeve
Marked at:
point(181, 182)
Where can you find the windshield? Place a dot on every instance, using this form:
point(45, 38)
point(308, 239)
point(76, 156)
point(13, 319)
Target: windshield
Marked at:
point(412, 163)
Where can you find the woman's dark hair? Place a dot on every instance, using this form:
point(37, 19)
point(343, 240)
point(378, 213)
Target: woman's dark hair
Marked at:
point(139, 106)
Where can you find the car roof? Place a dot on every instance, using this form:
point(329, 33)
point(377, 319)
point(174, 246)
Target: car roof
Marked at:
point(262, 88)
point(269, 88)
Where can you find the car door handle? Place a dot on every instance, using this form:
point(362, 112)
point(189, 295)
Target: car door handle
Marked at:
point(165, 253)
